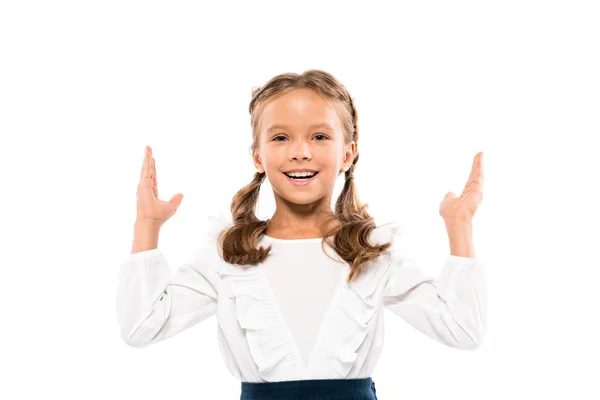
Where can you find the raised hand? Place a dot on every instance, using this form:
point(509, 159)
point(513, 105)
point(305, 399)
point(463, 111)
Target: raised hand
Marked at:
point(149, 207)
point(463, 207)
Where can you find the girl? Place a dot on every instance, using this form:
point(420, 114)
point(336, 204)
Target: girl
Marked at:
point(299, 297)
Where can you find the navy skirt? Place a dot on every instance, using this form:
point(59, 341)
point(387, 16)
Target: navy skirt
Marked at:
point(316, 389)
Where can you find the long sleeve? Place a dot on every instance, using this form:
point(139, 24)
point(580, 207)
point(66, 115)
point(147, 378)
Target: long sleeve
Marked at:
point(451, 309)
point(153, 304)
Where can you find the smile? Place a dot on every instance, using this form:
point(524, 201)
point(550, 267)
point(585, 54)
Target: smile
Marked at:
point(301, 181)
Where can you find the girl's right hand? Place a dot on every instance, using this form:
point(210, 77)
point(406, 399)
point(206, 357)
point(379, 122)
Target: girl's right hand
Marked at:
point(149, 207)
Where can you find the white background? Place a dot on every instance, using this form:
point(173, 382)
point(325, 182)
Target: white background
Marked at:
point(84, 86)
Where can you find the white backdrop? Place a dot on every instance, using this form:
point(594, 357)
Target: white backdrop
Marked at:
point(84, 86)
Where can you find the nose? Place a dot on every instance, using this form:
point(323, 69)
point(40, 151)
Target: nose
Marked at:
point(301, 152)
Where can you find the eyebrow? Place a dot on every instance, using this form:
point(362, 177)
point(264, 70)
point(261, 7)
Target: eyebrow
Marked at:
point(282, 126)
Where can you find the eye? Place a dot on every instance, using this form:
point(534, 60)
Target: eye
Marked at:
point(278, 136)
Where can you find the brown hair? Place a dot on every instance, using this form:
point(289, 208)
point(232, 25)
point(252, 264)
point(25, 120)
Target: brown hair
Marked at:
point(238, 242)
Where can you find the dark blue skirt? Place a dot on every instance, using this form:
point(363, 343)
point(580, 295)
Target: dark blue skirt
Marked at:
point(315, 389)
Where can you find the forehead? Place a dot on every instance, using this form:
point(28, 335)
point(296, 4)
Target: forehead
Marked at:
point(299, 109)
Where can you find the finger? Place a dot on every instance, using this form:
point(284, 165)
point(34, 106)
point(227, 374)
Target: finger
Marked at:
point(478, 172)
point(151, 166)
point(145, 173)
point(476, 175)
point(154, 180)
point(470, 178)
point(476, 168)
point(473, 168)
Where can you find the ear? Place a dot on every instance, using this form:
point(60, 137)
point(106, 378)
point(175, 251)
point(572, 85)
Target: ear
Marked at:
point(257, 162)
point(349, 155)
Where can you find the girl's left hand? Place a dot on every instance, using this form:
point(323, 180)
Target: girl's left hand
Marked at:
point(463, 208)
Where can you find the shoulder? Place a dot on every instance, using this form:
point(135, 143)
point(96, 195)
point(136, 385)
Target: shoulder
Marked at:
point(376, 271)
point(206, 255)
point(386, 231)
point(216, 223)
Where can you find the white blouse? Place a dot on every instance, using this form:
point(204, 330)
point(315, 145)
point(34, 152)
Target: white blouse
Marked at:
point(294, 316)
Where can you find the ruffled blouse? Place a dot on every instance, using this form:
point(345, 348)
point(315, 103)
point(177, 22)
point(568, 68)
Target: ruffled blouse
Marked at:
point(261, 341)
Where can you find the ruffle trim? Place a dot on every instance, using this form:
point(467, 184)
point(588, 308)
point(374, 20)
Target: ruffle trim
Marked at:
point(354, 310)
point(344, 329)
point(257, 314)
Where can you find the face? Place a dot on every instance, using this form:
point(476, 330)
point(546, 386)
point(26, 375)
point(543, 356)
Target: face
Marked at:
point(300, 130)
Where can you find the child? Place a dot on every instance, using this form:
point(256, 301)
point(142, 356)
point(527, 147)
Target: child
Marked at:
point(299, 297)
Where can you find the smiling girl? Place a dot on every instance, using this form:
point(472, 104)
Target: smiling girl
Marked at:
point(299, 296)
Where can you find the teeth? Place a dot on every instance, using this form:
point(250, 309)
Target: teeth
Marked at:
point(300, 174)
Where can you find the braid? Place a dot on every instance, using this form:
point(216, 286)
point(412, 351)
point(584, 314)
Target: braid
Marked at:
point(354, 113)
point(354, 117)
point(243, 206)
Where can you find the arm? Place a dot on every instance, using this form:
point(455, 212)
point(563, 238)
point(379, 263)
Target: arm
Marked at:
point(145, 236)
point(153, 304)
point(460, 236)
point(451, 309)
